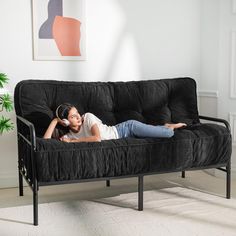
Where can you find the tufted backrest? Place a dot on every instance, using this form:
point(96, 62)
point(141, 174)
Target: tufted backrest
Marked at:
point(150, 101)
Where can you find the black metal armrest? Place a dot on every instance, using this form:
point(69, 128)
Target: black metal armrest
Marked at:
point(225, 122)
point(32, 140)
point(29, 175)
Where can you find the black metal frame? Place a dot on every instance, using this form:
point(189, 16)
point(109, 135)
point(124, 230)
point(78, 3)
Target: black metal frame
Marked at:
point(228, 165)
point(34, 184)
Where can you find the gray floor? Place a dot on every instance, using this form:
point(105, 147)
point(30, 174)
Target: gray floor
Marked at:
point(92, 209)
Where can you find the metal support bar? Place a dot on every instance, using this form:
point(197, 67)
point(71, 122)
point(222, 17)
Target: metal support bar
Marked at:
point(108, 183)
point(24, 138)
point(21, 193)
point(228, 181)
point(225, 122)
point(222, 169)
point(27, 181)
point(183, 174)
point(35, 203)
point(140, 192)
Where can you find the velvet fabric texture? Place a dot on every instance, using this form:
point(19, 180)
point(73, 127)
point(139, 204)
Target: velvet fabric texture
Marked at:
point(152, 102)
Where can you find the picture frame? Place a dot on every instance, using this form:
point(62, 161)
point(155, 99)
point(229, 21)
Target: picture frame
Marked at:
point(59, 29)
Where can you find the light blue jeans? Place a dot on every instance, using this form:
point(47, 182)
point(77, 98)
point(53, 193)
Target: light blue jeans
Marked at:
point(134, 128)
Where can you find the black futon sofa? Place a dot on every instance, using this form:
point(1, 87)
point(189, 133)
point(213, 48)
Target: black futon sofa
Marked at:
point(50, 161)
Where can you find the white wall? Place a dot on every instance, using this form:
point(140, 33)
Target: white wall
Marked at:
point(126, 40)
point(218, 63)
point(209, 43)
point(208, 84)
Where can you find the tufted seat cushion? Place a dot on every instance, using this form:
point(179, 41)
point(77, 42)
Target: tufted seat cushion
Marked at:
point(57, 161)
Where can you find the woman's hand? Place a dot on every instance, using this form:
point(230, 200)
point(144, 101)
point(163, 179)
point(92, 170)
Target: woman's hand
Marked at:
point(67, 140)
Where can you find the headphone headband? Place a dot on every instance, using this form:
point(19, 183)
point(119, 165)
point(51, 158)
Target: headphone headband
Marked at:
point(67, 104)
point(57, 111)
point(66, 122)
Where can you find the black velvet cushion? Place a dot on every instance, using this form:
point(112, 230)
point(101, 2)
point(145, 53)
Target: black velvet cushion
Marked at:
point(195, 146)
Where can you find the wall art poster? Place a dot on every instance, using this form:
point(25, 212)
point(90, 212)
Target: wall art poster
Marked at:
point(59, 29)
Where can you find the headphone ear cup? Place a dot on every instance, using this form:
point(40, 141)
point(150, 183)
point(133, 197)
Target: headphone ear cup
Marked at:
point(66, 122)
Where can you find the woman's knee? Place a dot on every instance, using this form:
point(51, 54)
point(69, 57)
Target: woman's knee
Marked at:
point(170, 132)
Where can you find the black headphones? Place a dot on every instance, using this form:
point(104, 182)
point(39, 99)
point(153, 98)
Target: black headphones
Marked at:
point(65, 121)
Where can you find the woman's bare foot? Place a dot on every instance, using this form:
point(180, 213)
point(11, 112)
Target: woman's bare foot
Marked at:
point(175, 126)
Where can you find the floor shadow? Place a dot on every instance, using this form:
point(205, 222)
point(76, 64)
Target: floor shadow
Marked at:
point(179, 214)
point(15, 221)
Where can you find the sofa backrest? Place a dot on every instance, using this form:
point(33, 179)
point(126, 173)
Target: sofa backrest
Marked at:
point(149, 101)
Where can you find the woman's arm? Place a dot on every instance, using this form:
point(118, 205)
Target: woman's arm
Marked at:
point(51, 127)
point(94, 138)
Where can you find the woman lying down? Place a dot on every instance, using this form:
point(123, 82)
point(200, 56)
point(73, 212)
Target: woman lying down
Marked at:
point(89, 128)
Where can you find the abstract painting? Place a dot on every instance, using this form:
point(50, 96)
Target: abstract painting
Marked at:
point(59, 29)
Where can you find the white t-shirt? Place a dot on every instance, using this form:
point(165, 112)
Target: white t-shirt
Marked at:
point(106, 132)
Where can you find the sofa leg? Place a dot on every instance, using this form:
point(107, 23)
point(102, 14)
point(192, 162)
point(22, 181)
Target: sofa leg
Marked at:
point(228, 180)
point(108, 183)
point(21, 193)
point(140, 192)
point(35, 203)
point(183, 174)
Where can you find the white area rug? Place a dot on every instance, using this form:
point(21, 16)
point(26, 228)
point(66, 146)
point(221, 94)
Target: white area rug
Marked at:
point(168, 211)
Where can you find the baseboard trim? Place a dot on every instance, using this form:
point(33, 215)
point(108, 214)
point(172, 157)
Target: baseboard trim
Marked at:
point(208, 93)
point(8, 180)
